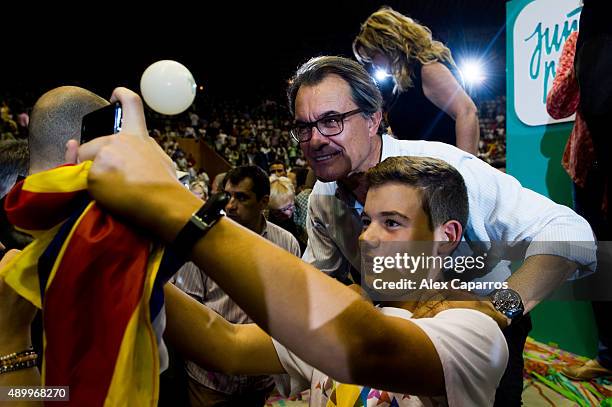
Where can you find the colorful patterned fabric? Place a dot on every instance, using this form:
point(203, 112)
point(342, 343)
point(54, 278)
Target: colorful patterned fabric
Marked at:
point(546, 386)
point(99, 284)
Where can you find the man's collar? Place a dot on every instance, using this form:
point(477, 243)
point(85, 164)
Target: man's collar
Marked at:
point(387, 147)
point(264, 229)
point(352, 188)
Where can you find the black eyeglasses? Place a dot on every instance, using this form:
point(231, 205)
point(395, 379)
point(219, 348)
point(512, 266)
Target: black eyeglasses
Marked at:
point(328, 126)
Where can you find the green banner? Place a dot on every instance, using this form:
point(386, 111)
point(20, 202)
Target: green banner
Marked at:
point(535, 33)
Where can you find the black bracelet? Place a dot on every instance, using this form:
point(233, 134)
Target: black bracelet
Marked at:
point(200, 223)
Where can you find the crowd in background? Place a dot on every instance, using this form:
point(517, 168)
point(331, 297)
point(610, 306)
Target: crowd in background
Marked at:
point(245, 134)
point(253, 134)
point(492, 144)
point(241, 134)
point(14, 116)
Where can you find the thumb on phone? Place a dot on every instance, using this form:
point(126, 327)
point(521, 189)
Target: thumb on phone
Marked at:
point(133, 112)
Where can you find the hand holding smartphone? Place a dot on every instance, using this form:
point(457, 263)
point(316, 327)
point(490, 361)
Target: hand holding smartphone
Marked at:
point(101, 122)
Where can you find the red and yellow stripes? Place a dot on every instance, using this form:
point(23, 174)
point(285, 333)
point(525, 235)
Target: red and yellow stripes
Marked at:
point(98, 337)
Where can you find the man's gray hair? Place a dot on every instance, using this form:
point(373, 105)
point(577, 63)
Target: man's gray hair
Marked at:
point(365, 93)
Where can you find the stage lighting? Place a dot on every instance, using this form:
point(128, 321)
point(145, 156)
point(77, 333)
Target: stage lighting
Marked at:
point(472, 72)
point(381, 75)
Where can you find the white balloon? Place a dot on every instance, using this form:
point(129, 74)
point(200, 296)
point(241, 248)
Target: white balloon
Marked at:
point(168, 87)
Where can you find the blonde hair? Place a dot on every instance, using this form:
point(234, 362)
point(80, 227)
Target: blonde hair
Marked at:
point(281, 191)
point(202, 186)
point(402, 40)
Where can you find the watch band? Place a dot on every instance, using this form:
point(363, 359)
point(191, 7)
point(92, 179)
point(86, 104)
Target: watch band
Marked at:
point(200, 223)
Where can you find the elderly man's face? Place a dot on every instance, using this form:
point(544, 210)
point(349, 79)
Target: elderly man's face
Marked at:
point(334, 158)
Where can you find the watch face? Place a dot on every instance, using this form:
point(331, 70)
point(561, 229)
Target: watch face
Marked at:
point(506, 300)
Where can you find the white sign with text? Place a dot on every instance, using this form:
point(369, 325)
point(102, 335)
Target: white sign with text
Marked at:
point(539, 33)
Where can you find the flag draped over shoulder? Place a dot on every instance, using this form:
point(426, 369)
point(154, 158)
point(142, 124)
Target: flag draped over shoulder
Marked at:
point(99, 284)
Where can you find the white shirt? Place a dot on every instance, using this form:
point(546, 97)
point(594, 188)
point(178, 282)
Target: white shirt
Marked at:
point(500, 209)
point(471, 348)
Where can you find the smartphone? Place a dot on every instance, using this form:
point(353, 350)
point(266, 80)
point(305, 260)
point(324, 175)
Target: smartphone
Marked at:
point(101, 122)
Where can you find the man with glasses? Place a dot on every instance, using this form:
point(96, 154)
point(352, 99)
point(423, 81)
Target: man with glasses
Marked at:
point(337, 110)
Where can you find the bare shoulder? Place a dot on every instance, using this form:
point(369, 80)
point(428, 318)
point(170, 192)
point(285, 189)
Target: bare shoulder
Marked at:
point(435, 71)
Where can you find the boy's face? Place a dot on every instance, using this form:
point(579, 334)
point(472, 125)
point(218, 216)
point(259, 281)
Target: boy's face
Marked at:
point(394, 224)
point(393, 212)
point(397, 237)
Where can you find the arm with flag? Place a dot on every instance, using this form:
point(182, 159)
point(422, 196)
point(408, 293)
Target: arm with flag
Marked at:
point(99, 283)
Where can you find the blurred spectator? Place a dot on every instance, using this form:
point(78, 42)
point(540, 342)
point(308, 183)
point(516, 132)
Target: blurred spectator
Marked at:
point(199, 189)
point(492, 144)
point(278, 168)
point(428, 102)
point(282, 206)
point(195, 119)
point(255, 157)
point(14, 162)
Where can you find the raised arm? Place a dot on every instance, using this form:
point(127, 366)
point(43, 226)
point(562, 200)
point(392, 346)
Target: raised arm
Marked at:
point(206, 338)
point(309, 311)
point(304, 309)
point(443, 90)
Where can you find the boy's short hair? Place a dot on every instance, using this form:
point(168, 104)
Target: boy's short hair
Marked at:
point(443, 192)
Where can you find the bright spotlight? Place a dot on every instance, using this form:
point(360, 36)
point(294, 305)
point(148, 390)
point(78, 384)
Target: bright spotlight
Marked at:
point(472, 72)
point(381, 75)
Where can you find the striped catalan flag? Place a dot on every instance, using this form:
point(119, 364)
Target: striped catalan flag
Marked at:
point(99, 284)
